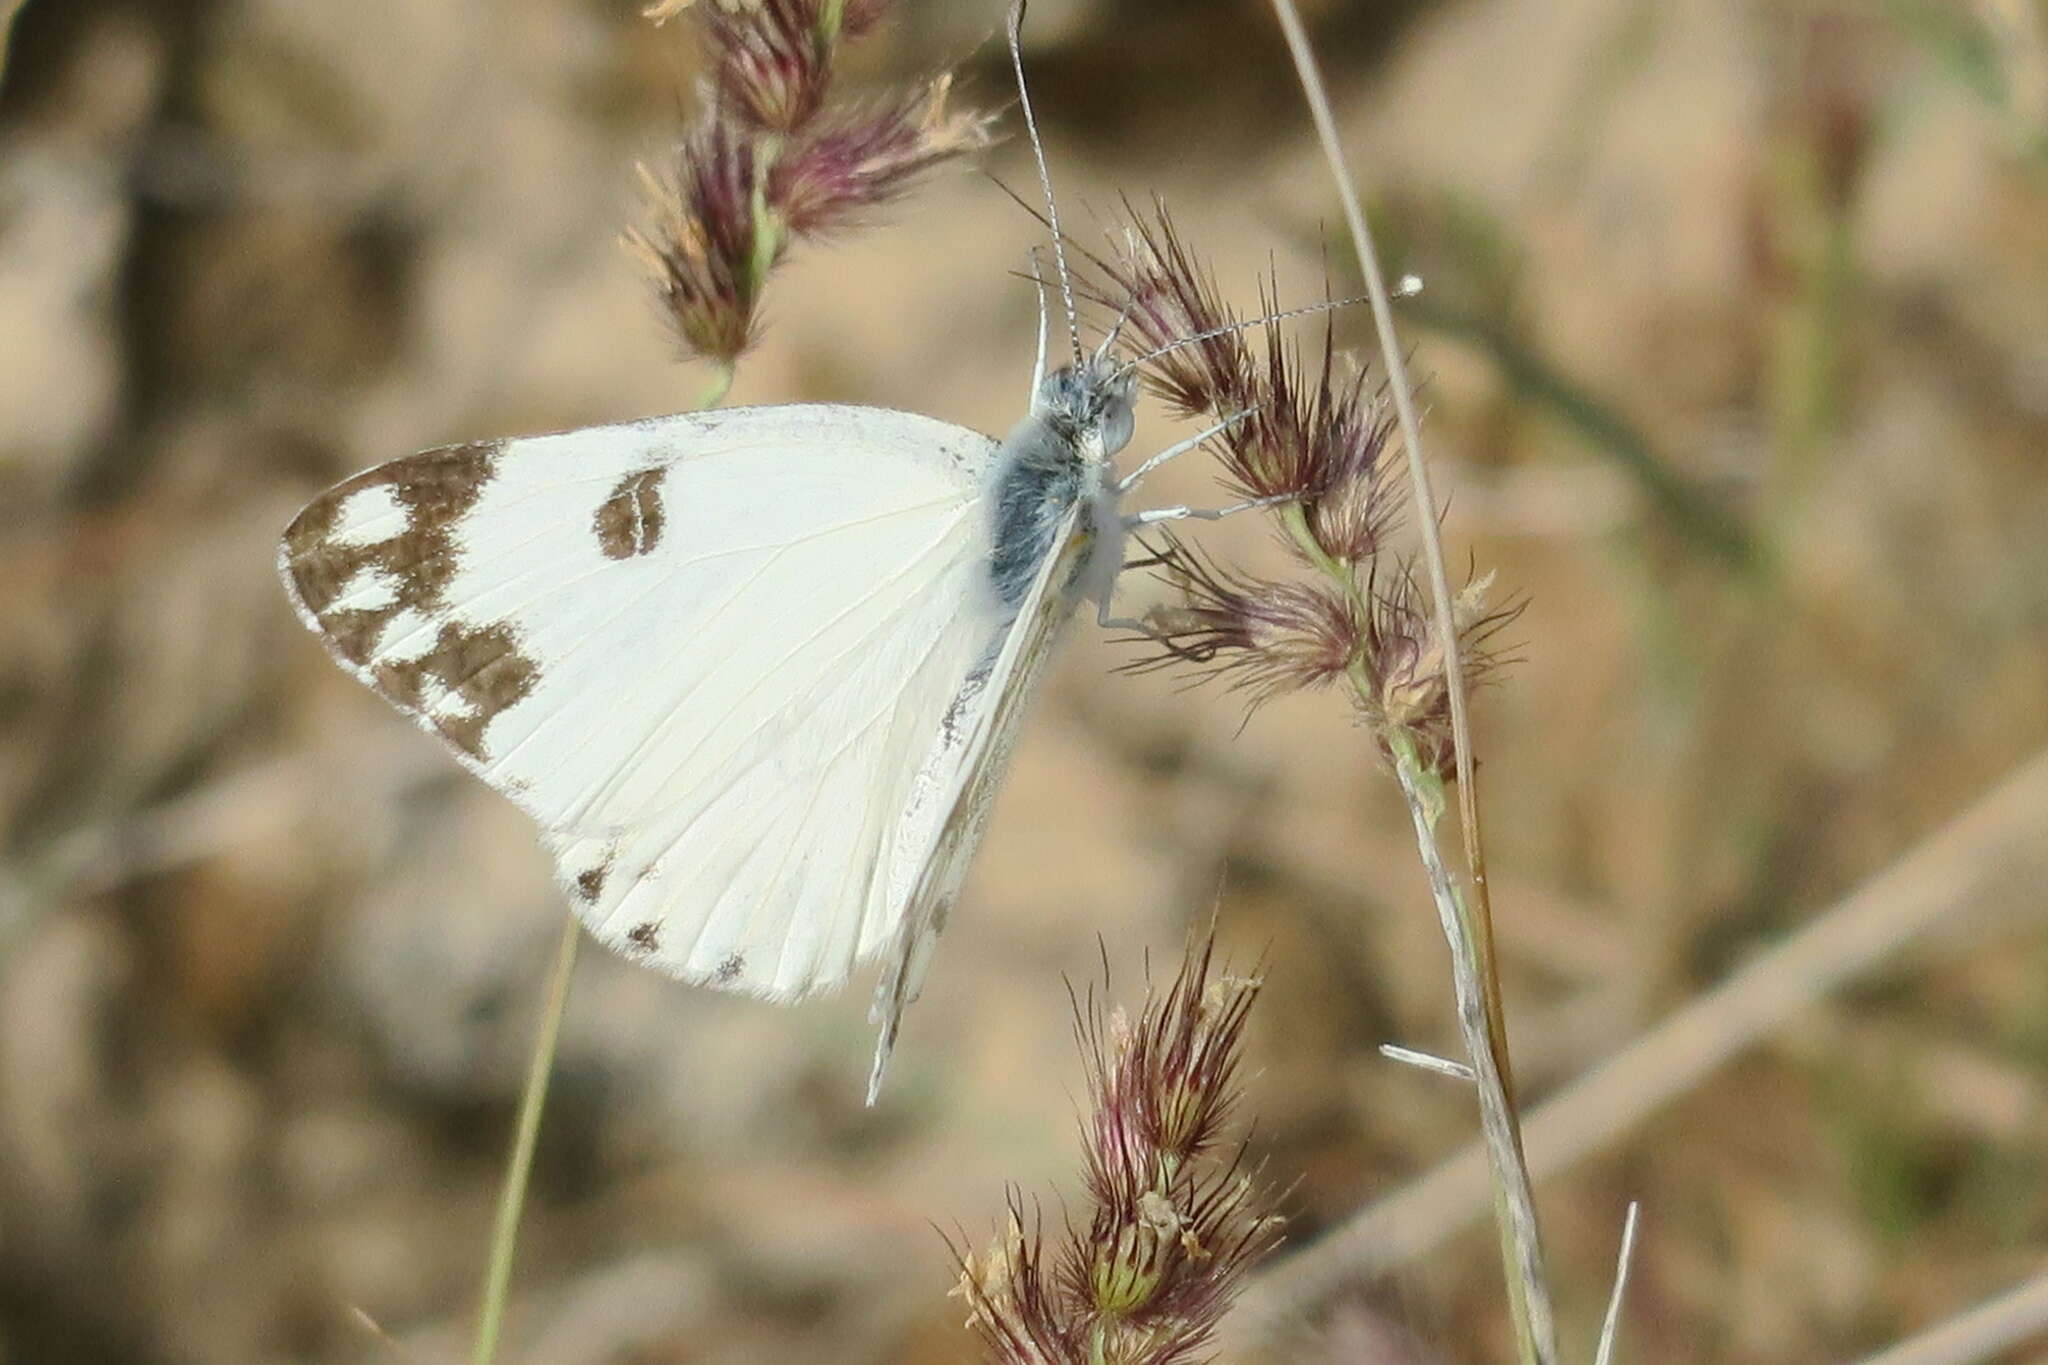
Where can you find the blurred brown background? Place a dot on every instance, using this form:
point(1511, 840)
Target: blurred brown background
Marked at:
point(1700, 275)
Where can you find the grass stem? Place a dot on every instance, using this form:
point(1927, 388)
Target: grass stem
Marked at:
point(1513, 1198)
point(533, 1100)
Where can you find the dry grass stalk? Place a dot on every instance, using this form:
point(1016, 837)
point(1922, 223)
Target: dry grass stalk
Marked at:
point(1997, 1325)
point(1983, 856)
point(1468, 927)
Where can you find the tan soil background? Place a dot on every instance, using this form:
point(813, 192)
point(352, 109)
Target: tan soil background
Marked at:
point(269, 963)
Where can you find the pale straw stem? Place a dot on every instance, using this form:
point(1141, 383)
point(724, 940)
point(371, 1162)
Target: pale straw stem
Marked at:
point(1991, 857)
point(1514, 1203)
point(2015, 1318)
point(533, 1100)
point(1610, 1328)
point(1425, 512)
point(1467, 928)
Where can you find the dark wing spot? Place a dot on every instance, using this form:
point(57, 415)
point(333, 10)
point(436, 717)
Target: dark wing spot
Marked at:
point(629, 522)
point(435, 488)
point(729, 970)
point(481, 666)
point(590, 884)
point(977, 681)
point(646, 937)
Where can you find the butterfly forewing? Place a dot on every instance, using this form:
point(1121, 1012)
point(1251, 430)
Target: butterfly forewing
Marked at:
point(705, 652)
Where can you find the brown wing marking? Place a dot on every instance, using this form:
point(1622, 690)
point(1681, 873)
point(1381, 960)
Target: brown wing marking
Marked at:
point(471, 671)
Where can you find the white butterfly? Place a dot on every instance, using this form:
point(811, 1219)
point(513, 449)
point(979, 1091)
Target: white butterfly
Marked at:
point(755, 672)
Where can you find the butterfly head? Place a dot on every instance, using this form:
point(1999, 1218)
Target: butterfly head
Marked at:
point(1093, 404)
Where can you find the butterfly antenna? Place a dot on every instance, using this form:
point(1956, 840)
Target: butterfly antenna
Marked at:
point(1245, 326)
point(1123, 315)
point(1052, 213)
point(1038, 366)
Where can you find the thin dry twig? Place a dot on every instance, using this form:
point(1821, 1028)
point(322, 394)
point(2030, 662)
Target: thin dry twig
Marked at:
point(2000, 844)
point(2015, 1318)
point(1610, 1326)
point(1425, 1061)
point(1403, 392)
point(235, 809)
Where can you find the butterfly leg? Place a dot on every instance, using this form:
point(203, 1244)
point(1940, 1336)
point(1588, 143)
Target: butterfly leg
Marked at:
point(1130, 481)
point(1108, 622)
point(1147, 630)
point(1156, 515)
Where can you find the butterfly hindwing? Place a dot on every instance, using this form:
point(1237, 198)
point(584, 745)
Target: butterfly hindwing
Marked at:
point(704, 652)
point(942, 827)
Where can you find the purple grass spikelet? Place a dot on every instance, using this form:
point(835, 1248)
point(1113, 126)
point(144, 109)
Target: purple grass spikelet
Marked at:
point(770, 160)
point(862, 159)
point(1265, 636)
point(1408, 693)
point(1169, 298)
point(771, 60)
point(1324, 439)
point(1313, 439)
point(710, 245)
point(1172, 1223)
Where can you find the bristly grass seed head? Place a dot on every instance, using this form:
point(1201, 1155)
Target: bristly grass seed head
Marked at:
point(1144, 1276)
point(770, 160)
point(704, 248)
point(859, 159)
point(1317, 441)
point(771, 60)
point(1267, 636)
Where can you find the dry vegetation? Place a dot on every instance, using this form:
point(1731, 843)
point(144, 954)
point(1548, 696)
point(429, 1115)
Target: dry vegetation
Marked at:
point(1737, 360)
